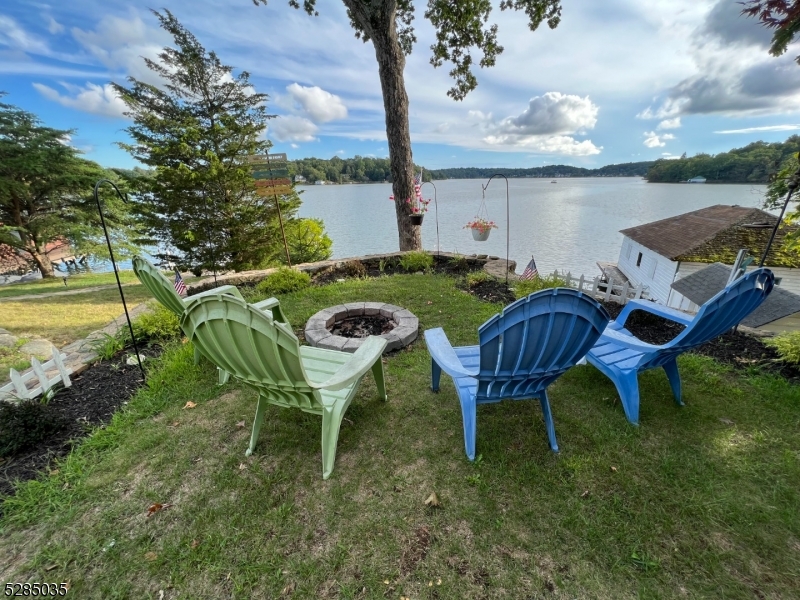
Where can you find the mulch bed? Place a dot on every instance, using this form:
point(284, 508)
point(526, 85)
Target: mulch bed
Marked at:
point(92, 399)
point(491, 290)
point(390, 266)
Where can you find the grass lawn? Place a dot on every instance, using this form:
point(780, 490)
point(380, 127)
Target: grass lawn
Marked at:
point(698, 502)
point(64, 319)
point(74, 282)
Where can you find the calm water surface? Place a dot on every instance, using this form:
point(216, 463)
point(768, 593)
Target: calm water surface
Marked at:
point(566, 225)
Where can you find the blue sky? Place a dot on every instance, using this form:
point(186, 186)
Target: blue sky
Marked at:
point(617, 81)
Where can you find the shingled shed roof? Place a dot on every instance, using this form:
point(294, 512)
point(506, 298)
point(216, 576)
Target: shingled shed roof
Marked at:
point(715, 234)
point(702, 285)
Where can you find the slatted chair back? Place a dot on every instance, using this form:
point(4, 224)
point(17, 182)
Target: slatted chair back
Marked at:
point(249, 344)
point(159, 286)
point(718, 315)
point(534, 340)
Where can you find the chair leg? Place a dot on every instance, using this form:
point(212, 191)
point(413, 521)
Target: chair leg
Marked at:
point(671, 369)
point(223, 376)
point(548, 421)
point(260, 409)
point(469, 414)
point(331, 422)
point(380, 380)
point(627, 384)
point(436, 375)
point(197, 355)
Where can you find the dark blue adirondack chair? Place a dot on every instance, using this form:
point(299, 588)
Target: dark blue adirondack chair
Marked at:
point(522, 351)
point(621, 356)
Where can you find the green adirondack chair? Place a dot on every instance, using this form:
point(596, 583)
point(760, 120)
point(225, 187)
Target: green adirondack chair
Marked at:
point(266, 356)
point(163, 290)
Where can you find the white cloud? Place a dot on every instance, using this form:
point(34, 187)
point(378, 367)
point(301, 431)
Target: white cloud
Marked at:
point(95, 99)
point(54, 26)
point(291, 128)
point(316, 103)
point(13, 36)
point(669, 123)
point(764, 128)
point(545, 126)
point(654, 140)
point(294, 146)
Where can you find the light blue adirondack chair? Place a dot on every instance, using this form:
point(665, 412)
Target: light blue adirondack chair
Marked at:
point(621, 356)
point(522, 351)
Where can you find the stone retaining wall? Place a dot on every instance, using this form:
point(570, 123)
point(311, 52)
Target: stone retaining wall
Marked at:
point(493, 265)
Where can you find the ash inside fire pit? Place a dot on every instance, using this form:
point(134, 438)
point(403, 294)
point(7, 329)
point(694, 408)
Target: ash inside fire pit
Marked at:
point(362, 326)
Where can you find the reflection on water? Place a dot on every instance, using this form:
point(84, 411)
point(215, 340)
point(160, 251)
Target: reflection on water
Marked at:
point(568, 225)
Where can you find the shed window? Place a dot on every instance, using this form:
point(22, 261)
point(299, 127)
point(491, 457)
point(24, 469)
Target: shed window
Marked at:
point(639, 260)
point(628, 249)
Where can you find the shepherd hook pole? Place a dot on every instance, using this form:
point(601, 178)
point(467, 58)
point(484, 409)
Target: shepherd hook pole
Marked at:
point(508, 219)
point(114, 264)
point(792, 184)
point(436, 205)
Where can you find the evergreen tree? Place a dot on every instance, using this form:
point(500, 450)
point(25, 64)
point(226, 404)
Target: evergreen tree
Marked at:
point(194, 131)
point(46, 193)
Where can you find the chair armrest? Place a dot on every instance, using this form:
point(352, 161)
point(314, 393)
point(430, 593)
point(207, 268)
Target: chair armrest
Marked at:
point(615, 337)
point(274, 306)
point(361, 362)
point(653, 308)
point(442, 352)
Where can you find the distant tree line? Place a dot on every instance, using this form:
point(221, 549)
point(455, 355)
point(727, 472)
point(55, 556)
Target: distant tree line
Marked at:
point(758, 162)
point(360, 169)
point(637, 169)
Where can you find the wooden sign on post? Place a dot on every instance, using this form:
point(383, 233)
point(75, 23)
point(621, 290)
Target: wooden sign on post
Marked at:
point(271, 174)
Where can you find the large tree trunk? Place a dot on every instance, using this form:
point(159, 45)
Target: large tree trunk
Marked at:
point(391, 63)
point(42, 261)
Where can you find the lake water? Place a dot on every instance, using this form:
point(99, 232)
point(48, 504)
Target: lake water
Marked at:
point(566, 225)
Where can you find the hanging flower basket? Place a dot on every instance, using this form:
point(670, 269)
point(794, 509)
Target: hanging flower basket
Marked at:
point(481, 228)
point(480, 236)
point(416, 219)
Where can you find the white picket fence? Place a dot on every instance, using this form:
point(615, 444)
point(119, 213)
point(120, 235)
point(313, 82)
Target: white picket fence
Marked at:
point(619, 292)
point(18, 387)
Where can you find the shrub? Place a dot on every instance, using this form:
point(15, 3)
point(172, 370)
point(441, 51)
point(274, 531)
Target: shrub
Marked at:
point(418, 260)
point(459, 262)
point(477, 277)
point(307, 240)
point(525, 287)
point(161, 324)
point(353, 268)
point(24, 424)
point(787, 345)
point(107, 346)
point(283, 281)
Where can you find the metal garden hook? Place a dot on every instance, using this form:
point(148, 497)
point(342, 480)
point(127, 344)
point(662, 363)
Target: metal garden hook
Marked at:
point(436, 205)
point(114, 264)
point(508, 221)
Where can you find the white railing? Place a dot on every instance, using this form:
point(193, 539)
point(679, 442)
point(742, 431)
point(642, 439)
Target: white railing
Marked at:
point(619, 292)
point(18, 388)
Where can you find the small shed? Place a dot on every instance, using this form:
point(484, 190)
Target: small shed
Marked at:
point(658, 254)
point(698, 179)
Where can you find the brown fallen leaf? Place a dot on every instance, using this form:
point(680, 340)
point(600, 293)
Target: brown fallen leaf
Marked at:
point(287, 591)
point(174, 424)
point(156, 507)
point(190, 404)
point(54, 472)
point(242, 466)
point(614, 469)
point(430, 302)
point(51, 567)
point(433, 500)
point(240, 424)
point(195, 543)
point(584, 494)
point(150, 556)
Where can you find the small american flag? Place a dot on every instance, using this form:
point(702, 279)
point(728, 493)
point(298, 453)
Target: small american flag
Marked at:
point(180, 287)
point(530, 271)
point(418, 178)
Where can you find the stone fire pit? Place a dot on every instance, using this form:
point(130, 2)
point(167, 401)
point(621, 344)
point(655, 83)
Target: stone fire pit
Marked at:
point(318, 329)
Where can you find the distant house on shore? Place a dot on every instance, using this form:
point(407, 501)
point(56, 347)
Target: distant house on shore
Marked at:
point(660, 253)
point(319, 182)
point(299, 179)
point(698, 179)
